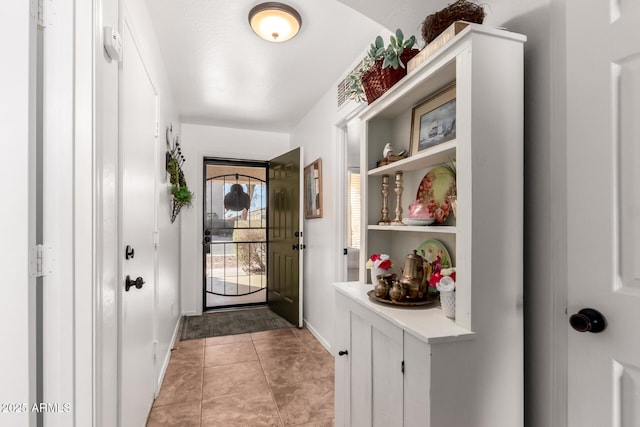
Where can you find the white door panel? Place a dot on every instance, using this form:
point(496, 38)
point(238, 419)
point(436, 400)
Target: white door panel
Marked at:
point(603, 187)
point(137, 145)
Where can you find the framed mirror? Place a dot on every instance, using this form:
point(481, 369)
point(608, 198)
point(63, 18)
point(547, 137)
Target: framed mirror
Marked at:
point(313, 190)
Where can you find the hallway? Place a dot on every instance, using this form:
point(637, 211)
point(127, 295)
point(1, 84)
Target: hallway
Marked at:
point(282, 377)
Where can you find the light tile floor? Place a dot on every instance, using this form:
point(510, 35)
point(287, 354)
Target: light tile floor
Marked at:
point(282, 377)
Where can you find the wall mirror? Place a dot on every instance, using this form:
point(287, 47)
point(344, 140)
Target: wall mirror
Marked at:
point(313, 190)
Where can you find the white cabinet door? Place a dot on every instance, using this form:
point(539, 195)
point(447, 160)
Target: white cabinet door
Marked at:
point(375, 358)
point(387, 375)
point(360, 367)
point(417, 382)
point(342, 333)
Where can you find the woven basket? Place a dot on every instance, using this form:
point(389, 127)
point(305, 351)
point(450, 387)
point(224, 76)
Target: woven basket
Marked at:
point(461, 10)
point(371, 82)
point(377, 80)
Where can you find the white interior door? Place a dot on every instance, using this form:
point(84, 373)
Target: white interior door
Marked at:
point(603, 187)
point(137, 139)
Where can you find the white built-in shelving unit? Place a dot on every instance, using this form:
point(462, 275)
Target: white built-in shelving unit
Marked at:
point(414, 366)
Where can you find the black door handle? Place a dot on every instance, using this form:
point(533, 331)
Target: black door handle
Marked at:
point(588, 320)
point(343, 353)
point(128, 283)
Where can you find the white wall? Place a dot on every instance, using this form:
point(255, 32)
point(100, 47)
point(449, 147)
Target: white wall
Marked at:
point(107, 253)
point(198, 142)
point(317, 134)
point(17, 291)
point(545, 192)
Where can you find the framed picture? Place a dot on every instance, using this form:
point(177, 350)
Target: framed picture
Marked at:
point(434, 121)
point(313, 190)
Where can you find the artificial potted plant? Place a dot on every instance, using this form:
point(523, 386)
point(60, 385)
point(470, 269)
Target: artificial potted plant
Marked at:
point(381, 68)
point(375, 54)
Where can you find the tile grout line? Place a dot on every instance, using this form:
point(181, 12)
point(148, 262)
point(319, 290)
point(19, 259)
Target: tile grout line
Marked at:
point(264, 374)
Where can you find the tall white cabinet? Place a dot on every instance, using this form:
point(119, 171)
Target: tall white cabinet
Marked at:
point(400, 366)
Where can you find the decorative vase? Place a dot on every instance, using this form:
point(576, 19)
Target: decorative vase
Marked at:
point(448, 303)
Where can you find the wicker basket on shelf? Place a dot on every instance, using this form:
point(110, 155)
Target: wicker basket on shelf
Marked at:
point(461, 10)
point(377, 80)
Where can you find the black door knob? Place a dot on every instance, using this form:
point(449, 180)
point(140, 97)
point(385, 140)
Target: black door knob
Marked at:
point(128, 283)
point(588, 320)
point(343, 352)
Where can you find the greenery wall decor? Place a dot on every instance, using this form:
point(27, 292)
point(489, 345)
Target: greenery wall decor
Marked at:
point(180, 194)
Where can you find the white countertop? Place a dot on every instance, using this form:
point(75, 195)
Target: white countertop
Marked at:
point(427, 323)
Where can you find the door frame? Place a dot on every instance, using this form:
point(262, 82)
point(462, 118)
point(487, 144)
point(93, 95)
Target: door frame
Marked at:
point(73, 367)
point(557, 256)
point(341, 212)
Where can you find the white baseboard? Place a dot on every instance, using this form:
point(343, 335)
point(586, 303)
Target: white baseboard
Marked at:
point(192, 313)
point(167, 357)
point(319, 337)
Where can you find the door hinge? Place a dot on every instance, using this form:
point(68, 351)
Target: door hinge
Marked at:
point(42, 260)
point(402, 368)
point(44, 13)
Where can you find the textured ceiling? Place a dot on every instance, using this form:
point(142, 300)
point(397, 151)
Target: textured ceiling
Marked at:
point(222, 74)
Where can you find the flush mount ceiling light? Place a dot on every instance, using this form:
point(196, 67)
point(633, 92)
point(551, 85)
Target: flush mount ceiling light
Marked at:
point(274, 21)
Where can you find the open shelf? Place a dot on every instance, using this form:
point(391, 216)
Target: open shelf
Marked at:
point(444, 229)
point(433, 156)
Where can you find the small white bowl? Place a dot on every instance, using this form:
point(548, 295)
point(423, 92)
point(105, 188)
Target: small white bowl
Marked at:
point(418, 221)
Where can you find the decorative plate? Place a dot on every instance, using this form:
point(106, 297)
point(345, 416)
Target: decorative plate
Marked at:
point(434, 190)
point(418, 221)
point(436, 254)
